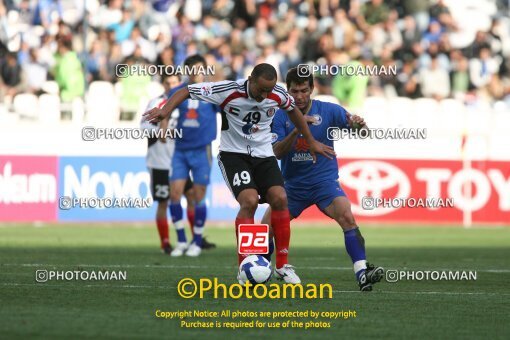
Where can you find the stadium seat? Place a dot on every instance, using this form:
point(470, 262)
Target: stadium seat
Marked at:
point(425, 105)
point(104, 87)
point(78, 110)
point(26, 104)
point(102, 104)
point(400, 109)
point(118, 89)
point(375, 112)
point(49, 108)
point(50, 86)
point(7, 117)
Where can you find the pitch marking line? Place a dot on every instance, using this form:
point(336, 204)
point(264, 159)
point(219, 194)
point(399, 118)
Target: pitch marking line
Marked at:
point(218, 267)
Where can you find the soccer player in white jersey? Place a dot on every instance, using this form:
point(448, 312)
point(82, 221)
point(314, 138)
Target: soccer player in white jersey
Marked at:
point(246, 156)
point(158, 159)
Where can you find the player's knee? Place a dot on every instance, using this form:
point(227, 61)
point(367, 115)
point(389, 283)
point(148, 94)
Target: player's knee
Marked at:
point(249, 203)
point(175, 197)
point(346, 220)
point(199, 193)
point(278, 200)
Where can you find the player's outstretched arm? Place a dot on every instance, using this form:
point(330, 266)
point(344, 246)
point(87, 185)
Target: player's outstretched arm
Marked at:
point(158, 114)
point(284, 146)
point(299, 121)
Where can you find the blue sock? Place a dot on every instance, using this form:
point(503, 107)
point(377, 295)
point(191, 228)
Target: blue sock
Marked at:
point(355, 246)
point(176, 212)
point(271, 249)
point(200, 216)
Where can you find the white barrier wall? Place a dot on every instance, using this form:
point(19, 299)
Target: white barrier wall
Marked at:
point(487, 134)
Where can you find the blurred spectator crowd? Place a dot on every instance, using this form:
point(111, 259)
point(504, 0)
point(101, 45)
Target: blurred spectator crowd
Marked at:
point(442, 49)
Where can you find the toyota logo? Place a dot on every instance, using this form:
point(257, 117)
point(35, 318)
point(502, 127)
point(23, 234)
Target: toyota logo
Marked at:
point(374, 178)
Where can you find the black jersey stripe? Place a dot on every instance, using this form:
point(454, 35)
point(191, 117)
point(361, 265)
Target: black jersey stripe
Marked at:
point(282, 92)
point(221, 87)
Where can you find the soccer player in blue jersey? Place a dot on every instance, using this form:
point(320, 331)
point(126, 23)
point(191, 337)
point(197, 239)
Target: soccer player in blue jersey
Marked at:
point(306, 183)
point(197, 119)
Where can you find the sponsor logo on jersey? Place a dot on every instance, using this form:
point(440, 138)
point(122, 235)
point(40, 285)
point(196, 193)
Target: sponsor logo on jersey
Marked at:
point(191, 119)
point(192, 114)
point(271, 112)
point(206, 90)
point(250, 128)
point(274, 137)
point(318, 120)
point(301, 153)
point(302, 157)
point(301, 145)
point(193, 123)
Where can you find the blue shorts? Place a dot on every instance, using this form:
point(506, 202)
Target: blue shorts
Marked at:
point(321, 195)
point(198, 161)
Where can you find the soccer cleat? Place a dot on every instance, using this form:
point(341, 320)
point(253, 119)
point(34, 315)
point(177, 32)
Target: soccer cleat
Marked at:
point(363, 283)
point(370, 276)
point(287, 274)
point(374, 274)
point(167, 249)
point(179, 249)
point(193, 250)
point(207, 245)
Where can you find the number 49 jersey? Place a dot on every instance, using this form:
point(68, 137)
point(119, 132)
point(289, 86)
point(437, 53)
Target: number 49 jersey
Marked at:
point(246, 123)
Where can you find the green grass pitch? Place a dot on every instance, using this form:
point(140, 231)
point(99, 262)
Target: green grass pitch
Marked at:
point(125, 309)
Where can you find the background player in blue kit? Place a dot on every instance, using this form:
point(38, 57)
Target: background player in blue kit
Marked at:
point(158, 161)
point(307, 183)
point(197, 119)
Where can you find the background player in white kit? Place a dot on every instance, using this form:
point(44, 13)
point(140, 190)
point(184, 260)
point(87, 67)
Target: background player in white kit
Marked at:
point(159, 155)
point(246, 156)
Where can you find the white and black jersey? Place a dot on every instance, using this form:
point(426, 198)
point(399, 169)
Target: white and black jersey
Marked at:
point(246, 123)
point(159, 155)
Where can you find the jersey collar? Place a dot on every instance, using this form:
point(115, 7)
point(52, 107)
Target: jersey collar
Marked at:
point(246, 90)
point(309, 108)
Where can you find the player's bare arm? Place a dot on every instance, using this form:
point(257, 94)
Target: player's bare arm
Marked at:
point(163, 126)
point(299, 121)
point(283, 147)
point(159, 114)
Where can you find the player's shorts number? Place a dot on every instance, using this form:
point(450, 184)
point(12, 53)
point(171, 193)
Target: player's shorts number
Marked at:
point(242, 177)
point(161, 190)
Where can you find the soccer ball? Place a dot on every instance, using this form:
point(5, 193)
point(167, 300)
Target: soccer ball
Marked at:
point(255, 269)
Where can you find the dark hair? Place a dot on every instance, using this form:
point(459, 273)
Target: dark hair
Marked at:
point(264, 70)
point(165, 76)
point(194, 59)
point(294, 77)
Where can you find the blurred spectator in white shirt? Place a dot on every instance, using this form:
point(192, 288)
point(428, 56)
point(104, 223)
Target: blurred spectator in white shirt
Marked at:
point(136, 39)
point(483, 68)
point(35, 73)
point(435, 82)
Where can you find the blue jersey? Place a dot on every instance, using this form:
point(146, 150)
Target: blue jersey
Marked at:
point(197, 119)
point(297, 166)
